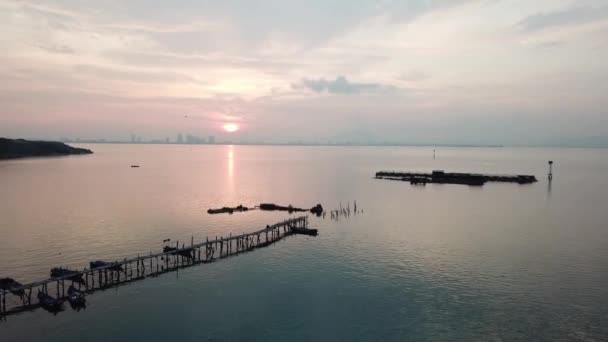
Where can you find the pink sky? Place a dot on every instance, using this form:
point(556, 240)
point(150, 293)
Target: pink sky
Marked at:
point(489, 72)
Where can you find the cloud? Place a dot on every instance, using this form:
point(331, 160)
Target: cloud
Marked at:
point(56, 48)
point(340, 85)
point(155, 28)
point(572, 16)
point(414, 76)
point(550, 44)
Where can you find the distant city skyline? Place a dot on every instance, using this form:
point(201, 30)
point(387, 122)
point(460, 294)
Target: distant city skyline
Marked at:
point(366, 72)
point(596, 142)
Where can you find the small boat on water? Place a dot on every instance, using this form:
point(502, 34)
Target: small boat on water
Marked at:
point(276, 207)
point(76, 297)
point(317, 210)
point(228, 210)
point(49, 303)
point(11, 285)
point(224, 210)
point(75, 276)
point(187, 252)
point(134, 165)
point(99, 264)
point(169, 249)
point(304, 231)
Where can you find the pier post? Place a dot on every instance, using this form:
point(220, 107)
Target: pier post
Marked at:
point(207, 249)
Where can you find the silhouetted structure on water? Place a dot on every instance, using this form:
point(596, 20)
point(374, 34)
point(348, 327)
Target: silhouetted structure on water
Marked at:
point(442, 177)
point(51, 293)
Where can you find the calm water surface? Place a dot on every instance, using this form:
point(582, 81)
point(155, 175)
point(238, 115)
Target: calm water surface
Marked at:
point(441, 262)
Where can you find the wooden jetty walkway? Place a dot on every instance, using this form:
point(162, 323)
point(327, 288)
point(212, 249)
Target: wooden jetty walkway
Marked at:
point(439, 176)
point(173, 258)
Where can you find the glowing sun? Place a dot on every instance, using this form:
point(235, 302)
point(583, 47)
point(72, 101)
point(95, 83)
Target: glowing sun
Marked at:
point(230, 127)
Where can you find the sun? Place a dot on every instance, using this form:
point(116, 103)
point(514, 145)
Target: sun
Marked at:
point(230, 127)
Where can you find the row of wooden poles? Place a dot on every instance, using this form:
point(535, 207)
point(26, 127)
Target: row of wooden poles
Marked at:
point(343, 211)
point(128, 270)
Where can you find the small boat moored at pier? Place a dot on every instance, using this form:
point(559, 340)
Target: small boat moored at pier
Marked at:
point(49, 303)
point(304, 231)
point(75, 276)
point(185, 252)
point(99, 264)
point(11, 285)
point(76, 297)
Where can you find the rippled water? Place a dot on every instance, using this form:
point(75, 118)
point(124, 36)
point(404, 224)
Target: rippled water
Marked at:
point(441, 262)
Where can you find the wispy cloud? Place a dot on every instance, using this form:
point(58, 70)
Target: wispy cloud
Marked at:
point(414, 76)
point(571, 16)
point(340, 85)
point(155, 28)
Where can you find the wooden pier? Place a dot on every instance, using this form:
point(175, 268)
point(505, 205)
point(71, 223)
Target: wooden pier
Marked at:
point(128, 270)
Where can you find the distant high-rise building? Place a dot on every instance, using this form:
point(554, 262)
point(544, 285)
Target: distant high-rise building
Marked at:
point(180, 139)
point(132, 138)
point(166, 140)
point(193, 139)
point(211, 139)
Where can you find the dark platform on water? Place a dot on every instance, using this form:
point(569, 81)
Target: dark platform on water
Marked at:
point(442, 177)
point(317, 209)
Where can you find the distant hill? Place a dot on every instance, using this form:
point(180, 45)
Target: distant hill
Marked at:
point(20, 148)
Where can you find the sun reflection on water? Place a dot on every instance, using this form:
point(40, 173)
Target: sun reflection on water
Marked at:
point(230, 167)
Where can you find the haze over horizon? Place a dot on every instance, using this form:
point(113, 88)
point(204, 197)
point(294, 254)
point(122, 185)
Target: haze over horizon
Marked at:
point(420, 72)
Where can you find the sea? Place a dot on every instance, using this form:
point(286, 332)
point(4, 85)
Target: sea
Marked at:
point(441, 262)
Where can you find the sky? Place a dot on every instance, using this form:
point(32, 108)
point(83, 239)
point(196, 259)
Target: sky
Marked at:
point(424, 72)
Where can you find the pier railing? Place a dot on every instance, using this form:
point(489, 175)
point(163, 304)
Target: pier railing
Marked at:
point(124, 271)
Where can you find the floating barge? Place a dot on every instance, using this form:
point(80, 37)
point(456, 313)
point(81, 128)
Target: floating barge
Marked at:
point(442, 177)
point(227, 210)
point(317, 209)
point(72, 285)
